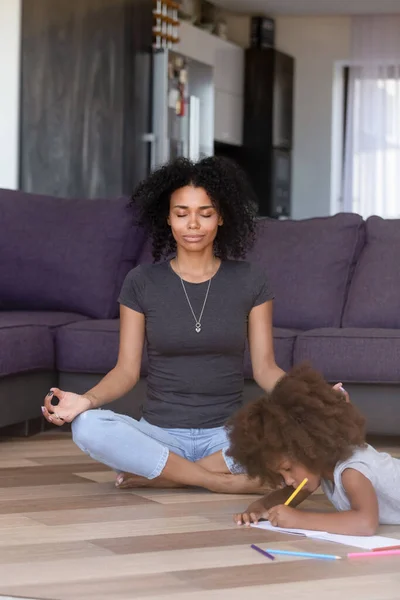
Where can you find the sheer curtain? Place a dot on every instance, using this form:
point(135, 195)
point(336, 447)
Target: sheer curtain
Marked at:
point(371, 183)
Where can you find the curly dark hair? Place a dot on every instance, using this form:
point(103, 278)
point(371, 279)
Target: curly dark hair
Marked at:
point(303, 418)
point(228, 189)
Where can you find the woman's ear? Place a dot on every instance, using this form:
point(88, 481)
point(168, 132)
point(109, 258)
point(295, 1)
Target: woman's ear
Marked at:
point(220, 221)
point(169, 221)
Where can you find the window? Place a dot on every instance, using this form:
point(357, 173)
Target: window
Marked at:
point(371, 183)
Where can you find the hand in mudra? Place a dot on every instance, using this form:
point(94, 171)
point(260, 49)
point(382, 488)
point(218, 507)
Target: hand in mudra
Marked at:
point(339, 388)
point(62, 407)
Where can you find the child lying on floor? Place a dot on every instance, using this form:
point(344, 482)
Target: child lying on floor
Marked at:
point(305, 429)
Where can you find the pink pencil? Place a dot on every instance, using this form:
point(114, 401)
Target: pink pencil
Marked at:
point(382, 553)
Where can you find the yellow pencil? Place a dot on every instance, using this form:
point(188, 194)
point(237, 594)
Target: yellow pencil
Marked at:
point(296, 491)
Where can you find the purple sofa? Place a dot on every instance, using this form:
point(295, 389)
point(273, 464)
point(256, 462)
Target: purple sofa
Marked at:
point(62, 263)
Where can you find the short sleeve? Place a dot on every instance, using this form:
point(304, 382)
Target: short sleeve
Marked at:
point(132, 292)
point(262, 291)
point(358, 465)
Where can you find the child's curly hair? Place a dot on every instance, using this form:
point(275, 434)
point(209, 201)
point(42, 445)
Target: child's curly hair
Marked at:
point(303, 418)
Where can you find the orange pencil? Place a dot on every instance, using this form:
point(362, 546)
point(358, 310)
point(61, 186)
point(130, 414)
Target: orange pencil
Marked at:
point(386, 548)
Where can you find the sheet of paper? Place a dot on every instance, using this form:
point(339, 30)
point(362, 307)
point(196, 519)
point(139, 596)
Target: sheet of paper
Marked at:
point(365, 542)
point(267, 525)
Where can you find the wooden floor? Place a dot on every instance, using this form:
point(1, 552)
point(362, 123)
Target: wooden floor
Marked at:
point(67, 533)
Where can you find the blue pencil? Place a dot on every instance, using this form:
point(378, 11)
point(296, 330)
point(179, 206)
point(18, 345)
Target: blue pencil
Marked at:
point(304, 554)
point(263, 552)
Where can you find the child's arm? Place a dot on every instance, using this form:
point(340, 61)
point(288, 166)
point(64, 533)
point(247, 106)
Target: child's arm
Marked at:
point(259, 509)
point(361, 519)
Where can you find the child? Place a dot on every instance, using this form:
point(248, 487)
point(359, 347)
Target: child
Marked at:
point(306, 429)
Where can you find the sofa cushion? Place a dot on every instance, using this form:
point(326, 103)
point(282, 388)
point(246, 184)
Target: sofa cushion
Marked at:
point(89, 347)
point(309, 264)
point(92, 347)
point(65, 254)
point(355, 355)
point(43, 318)
point(374, 294)
point(25, 348)
point(284, 340)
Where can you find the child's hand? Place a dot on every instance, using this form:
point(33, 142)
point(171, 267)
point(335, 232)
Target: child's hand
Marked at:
point(283, 516)
point(253, 514)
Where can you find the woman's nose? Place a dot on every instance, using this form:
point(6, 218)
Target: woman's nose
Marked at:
point(193, 222)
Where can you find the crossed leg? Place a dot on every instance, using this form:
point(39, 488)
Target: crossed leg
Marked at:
point(148, 456)
point(218, 476)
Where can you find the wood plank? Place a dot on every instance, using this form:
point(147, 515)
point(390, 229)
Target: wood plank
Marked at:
point(136, 507)
point(86, 531)
point(187, 541)
point(45, 510)
point(59, 490)
point(39, 553)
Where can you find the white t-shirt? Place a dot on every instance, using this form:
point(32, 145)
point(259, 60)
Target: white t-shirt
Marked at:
point(382, 470)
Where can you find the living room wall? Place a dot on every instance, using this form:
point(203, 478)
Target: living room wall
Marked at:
point(10, 35)
point(316, 43)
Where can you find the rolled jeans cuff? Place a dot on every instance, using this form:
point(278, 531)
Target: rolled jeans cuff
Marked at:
point(233, 467)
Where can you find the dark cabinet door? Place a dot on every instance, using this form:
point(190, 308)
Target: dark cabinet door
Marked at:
point(268, 128)
point(282, 112)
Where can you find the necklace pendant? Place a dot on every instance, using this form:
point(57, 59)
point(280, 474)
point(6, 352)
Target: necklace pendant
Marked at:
point(198, 327)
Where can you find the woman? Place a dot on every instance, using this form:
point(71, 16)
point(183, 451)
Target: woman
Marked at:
point(195, 312)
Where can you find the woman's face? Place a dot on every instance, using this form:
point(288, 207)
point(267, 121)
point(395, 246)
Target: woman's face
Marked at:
point(193, 219)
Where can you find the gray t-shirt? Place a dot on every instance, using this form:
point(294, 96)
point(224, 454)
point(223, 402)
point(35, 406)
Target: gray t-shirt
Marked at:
point(382, 470)
point(195, 380)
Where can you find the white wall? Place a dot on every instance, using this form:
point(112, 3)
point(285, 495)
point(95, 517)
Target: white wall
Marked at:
point(10, 38)
point(238, 28)
point(316, 43)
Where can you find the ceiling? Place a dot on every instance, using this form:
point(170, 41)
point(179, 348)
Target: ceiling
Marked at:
point(311, 7)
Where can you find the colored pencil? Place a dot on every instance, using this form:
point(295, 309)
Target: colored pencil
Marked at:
point(373, 553)
point(296, 491)
point(263, 552)
point(304, 554)
point(386, 548)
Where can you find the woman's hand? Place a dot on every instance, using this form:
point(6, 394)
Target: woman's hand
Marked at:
point(62, 407)
point(253, 514)
point(339, 387)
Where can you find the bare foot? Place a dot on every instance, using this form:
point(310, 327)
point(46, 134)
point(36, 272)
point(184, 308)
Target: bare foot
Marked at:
point(222, 483)
point(127, 480)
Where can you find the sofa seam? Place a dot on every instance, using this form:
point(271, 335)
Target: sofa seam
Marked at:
point(353, 263)
point(329, 337)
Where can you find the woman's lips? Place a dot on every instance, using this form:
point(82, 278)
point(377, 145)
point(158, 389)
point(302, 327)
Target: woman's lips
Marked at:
point(193, 238)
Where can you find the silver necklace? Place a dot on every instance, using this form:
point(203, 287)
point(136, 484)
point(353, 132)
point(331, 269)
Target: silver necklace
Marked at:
point(197, 321)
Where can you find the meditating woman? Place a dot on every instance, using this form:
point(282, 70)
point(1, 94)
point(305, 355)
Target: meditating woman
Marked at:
point(195, 313)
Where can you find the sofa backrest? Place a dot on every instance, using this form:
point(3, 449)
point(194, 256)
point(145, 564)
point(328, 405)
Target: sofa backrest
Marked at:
point(374, 294)
point(65, 254)
point(309, 264)
point(146, 254)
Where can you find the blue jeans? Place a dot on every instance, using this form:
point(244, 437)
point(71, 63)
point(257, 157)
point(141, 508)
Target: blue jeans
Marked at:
point(137, 447)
